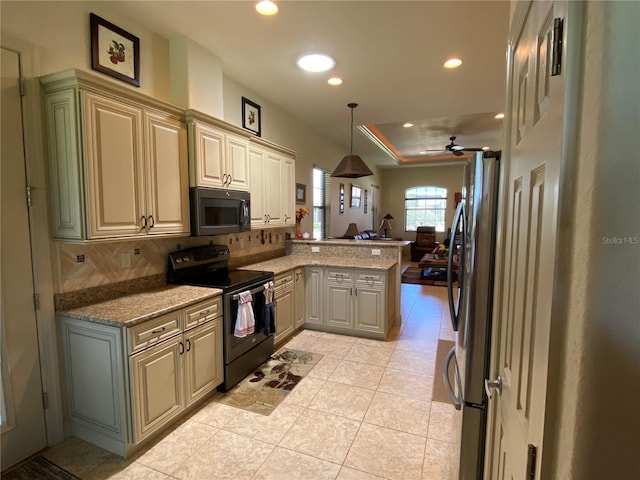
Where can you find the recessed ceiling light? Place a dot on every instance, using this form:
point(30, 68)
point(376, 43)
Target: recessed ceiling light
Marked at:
point(334, 81)
point(453, 63)
point(499, 116)
point(266, 7)
point(486, 148)
point(407, 125)
point(316, 62)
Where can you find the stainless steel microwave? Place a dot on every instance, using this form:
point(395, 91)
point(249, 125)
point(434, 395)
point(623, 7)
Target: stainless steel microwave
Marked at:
point(216, 211)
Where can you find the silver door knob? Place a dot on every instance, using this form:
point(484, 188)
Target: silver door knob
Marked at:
point(489, 384)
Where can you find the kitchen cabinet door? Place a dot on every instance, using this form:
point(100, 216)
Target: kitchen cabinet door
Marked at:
point(208, 156)
point(369, 309)
point(157, 386)
point(168, 187)
point(339, 305)
point(273, 183)
point(314, 295)
point(288, 205)
point(237, 162)
point(203, 360)
point(299, 298)
point(258, 187)
point(284, 285)
point(114, 162)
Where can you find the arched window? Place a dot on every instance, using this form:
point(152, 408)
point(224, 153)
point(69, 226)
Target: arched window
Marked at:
point(425, 205)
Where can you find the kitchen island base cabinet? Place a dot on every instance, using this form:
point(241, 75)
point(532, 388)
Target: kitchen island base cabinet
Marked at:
point(121, 391)
point(356, 302)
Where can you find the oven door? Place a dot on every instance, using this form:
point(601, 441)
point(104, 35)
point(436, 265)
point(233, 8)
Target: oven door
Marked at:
point(234, 347)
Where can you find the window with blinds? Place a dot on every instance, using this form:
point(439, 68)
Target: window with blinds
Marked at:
point(321, 203)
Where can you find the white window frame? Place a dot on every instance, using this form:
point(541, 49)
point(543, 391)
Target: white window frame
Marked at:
point(428, 199)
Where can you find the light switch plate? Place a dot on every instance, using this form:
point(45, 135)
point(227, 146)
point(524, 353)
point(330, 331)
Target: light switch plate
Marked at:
point(315, 249)
point(375, 251)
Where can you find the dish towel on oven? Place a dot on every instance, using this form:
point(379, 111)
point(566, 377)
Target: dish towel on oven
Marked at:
point(245, 322)
point(269, 312)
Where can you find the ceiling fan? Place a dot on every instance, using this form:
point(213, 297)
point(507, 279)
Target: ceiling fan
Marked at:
point(454, 148)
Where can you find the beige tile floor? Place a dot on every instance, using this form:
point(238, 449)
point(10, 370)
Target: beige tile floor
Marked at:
point(364, 412)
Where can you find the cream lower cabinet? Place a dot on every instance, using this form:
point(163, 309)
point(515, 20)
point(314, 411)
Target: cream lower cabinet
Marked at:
point(314, 289)
point(117, 161)
point(355, 301)
point(285, 307)
point(125, 384)
point(299, 297)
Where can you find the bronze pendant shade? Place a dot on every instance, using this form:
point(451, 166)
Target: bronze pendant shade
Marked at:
point(352, 166)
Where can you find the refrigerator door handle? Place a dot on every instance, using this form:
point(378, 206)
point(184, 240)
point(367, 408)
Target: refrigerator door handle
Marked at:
point(489, 384)
point(460, 217)
point(457, 401)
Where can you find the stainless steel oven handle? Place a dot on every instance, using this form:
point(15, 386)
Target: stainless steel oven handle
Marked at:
point(253, 290)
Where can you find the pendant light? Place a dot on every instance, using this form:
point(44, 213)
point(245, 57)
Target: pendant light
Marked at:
point(352, 166)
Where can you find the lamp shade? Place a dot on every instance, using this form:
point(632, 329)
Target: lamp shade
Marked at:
point(385, 225)
point(388, 216)
point(352, 230)
point(352, 166)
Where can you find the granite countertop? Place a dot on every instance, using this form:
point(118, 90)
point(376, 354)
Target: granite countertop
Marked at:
point(380, 242)
point(289, 262)
point(139, 307)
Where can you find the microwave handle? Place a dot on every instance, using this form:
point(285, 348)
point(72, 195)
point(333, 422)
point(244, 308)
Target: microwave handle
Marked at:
point(244, 211)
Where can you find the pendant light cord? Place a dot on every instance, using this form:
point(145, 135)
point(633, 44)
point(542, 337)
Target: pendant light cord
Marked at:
point(351, 149)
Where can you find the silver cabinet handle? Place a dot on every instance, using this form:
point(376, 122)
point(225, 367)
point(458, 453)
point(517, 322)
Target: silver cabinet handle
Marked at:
point(350, 290)
point(230, 179)
point(159, 330)
point(188, 345)
point(489, 384)
point(204, 313)
point(143, 219)
point(152, 222)
point(181, 348)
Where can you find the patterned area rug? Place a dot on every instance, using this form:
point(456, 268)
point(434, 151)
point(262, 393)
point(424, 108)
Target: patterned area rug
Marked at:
point(414, 275)
point(440, 393)
point(263, 390)
point(39, 468)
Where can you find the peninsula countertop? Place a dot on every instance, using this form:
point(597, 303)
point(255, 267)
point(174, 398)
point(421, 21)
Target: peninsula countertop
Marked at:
point(136, 308)
point(289, 262)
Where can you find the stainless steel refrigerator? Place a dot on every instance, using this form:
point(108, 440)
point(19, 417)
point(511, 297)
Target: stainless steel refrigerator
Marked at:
point(470, 301)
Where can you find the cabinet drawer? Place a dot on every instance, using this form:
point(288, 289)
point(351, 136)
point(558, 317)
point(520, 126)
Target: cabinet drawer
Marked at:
point(284, 282)
point(370, 278)
point(339, 275)
point(202, 312)
point(154, 331)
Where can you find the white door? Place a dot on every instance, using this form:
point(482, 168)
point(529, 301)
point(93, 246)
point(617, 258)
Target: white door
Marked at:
point(22, 416)
point(525, 278)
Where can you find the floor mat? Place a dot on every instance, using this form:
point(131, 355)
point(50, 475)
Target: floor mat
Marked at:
point(263, 390)
point(440, 393)
point(39, 468)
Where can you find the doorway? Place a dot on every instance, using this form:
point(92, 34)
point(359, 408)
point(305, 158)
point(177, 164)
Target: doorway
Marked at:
point(23, 430)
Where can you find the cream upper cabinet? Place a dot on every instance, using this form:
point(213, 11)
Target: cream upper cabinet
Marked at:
point(218, 159)
point(117, 161)
point(272, 187)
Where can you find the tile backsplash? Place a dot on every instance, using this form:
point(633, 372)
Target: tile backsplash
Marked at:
point(86, 265)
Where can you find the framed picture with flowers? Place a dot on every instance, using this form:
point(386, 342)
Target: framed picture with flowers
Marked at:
point(251, 116)
point(114, 51)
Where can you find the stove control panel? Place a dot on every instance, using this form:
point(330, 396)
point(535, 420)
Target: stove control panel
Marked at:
point(207, 255)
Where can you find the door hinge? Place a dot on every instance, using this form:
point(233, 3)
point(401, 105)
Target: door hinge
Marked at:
point(28, 196)
point(556, 49)
point(36, 301)
point(45, 401)
point(532, 452)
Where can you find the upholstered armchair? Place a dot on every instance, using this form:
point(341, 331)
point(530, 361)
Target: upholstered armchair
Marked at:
point(425, 243)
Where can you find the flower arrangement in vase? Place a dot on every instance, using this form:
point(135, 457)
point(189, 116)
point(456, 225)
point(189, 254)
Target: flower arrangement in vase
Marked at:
point(300, 214)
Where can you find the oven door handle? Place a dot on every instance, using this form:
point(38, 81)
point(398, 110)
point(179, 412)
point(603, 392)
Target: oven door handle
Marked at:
point(252, 291)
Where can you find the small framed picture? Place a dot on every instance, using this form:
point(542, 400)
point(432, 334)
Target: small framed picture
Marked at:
point(301, 193)
point(114, 51)
point(251, 116)
point(366, 194)
point(341, 198)
point(356, 193)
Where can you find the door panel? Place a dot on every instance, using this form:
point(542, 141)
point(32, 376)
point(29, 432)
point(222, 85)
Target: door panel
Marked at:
point(23, 424)
point(523, 305)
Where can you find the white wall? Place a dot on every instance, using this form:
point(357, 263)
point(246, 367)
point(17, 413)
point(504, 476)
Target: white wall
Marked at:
point(595, 423)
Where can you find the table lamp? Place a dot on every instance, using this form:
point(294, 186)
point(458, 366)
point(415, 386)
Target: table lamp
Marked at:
point(352, 231)
point(386, 224)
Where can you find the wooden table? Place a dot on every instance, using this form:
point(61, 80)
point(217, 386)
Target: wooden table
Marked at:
point(436, 268)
